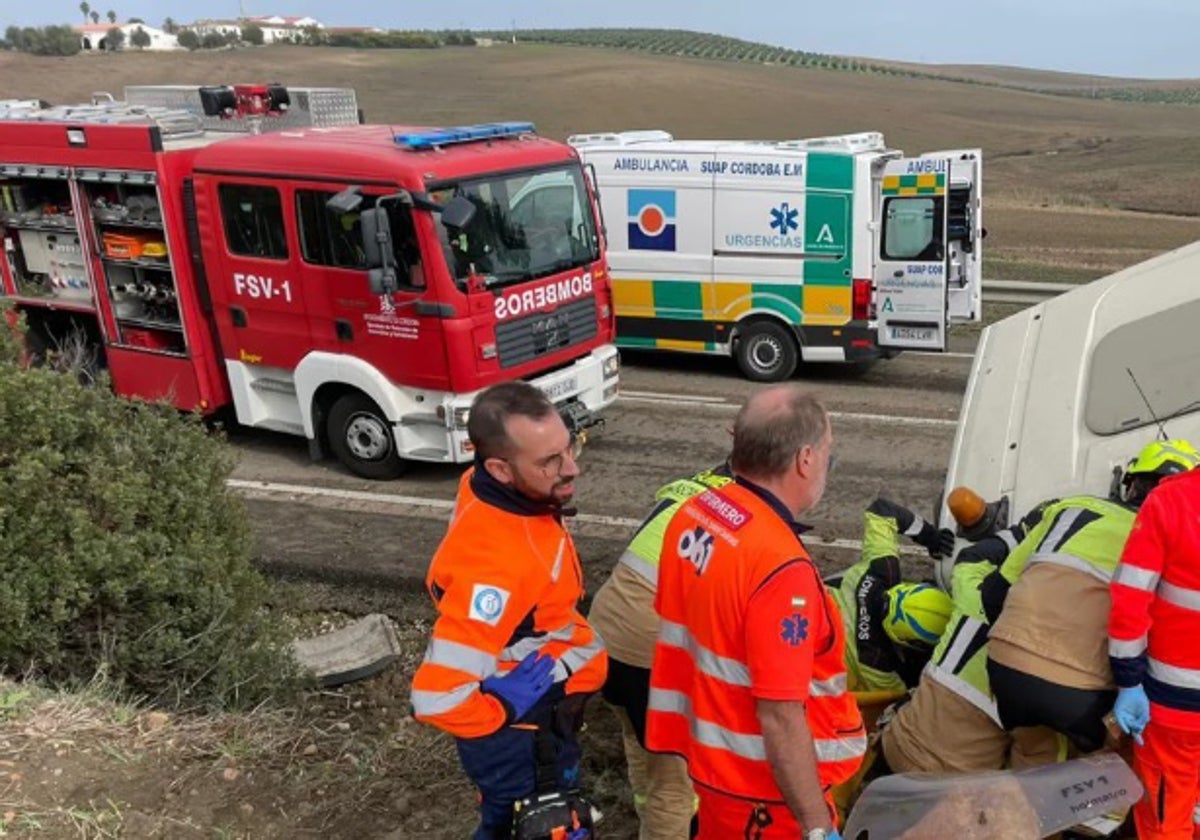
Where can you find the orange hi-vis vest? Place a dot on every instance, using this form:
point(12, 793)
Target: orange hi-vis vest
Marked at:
point(721, 547)
point(506, 582)
point(1155, 616)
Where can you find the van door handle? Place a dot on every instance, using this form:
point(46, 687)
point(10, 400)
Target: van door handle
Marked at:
point(238, 316)
point(899, 272)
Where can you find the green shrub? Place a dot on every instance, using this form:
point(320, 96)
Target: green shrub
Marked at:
point(122, 550)
point(252, 34)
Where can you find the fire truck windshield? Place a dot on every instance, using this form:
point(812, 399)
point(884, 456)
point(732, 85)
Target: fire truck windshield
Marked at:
point(526, 225)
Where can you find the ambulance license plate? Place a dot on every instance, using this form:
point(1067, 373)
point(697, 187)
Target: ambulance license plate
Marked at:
point(562, 388)
point(925, 334)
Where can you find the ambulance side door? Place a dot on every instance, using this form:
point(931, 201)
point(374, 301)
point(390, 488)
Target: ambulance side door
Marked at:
point(911, 254)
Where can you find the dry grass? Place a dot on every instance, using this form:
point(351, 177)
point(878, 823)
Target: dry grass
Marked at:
point(349, 763)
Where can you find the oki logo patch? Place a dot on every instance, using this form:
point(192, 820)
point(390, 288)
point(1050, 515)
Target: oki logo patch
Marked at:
point(488, 603)
point(696, 547)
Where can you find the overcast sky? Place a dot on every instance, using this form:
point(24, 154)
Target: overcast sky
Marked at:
point(1146, 38)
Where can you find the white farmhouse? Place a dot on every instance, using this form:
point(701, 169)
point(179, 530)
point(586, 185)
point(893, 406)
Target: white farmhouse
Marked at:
point(92, 36)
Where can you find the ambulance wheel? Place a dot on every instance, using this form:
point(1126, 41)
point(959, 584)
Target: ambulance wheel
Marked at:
point(361, 438)
point(766, 352)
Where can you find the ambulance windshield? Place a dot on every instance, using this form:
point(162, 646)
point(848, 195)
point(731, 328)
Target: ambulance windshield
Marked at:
point(526, 225)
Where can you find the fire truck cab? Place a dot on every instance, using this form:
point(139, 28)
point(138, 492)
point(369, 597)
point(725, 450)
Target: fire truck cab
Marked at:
point(355, 284)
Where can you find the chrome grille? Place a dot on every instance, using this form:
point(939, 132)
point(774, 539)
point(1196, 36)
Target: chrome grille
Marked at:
point(535, 335)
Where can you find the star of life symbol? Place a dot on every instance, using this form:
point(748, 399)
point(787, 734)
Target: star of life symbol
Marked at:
point(794, 629)
point(783, 218)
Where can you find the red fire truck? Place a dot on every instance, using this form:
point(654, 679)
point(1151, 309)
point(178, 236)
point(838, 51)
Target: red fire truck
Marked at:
point(256, 249)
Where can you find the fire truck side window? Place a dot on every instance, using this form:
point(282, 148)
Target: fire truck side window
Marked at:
point(335, 239)
point(253, 218)
point(912, 228)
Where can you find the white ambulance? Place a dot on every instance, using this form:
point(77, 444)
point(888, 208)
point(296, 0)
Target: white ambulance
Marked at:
point(1062, 395)
point(831, 249)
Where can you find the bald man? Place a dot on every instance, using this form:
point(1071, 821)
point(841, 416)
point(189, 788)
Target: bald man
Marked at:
point(748, 681)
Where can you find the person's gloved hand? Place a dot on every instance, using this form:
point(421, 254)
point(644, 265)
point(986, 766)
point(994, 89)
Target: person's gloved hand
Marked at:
point(1132, 711)
point(942, 545)
point(833, 835)
point(520, 689)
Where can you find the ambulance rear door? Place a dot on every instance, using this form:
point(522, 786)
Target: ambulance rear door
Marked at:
point(964, 235)
point(911, 258)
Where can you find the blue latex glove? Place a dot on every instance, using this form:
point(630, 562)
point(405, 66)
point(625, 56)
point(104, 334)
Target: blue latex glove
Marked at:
point(521, 688)
point(834, 835)
point(1132, 711)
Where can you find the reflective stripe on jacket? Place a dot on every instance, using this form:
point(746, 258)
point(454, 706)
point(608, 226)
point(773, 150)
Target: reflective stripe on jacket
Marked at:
point(1155, 616)
point(1054, 620)
point(719, 549)
point(506, 583)
point(960, 658)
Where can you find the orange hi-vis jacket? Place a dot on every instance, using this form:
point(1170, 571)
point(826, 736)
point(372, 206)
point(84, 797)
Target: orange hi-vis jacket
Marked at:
point(744, 617)
point(1155, 618)
point(507, 581)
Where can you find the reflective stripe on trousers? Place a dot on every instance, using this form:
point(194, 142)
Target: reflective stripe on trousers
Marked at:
point(744, 745)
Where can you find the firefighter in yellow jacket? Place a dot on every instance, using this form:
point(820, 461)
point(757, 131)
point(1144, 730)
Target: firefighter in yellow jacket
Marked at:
point(891, 624)
point(623, 613)
point(951, 724)
point(511, 660)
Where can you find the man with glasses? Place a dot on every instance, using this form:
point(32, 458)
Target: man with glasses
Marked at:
point(511, 661)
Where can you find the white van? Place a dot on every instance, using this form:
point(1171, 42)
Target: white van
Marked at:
point(830, 249)
point(1064, 394)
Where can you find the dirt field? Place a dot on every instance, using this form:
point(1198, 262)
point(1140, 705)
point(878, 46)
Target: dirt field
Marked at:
point(1050, 162)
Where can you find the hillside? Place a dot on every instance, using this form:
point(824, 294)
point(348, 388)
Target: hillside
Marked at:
point(703, 45)
point(1061, 174)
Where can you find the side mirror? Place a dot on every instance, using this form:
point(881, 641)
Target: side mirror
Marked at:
point(377, 248)
point(458, 213)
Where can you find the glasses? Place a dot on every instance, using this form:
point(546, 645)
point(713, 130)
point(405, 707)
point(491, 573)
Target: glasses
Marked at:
point(553, 464)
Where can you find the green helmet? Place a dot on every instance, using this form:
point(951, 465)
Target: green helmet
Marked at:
point(917, 613)
point(1164, 457)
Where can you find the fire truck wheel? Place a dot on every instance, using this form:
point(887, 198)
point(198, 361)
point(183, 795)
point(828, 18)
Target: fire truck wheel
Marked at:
point(361, 438)
point(766, 352)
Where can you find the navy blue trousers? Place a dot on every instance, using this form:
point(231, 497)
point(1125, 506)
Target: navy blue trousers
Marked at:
point(504, 765)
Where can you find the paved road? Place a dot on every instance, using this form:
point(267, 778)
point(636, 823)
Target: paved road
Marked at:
point(364, 541)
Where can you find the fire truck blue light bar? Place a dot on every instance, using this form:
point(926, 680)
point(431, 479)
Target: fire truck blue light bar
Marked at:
point(462, 134)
